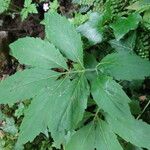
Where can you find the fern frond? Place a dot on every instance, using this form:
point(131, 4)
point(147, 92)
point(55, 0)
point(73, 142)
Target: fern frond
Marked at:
point(143, 44)
point(119, 7)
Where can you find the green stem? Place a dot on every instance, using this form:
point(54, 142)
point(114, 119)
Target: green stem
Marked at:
point(96, 114)
point(80, 71)
point(101, 63)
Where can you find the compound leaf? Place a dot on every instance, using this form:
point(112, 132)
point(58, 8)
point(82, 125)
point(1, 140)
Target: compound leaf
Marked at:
point(110, 97)
point(127, 44)
point(62, 33)
point(24, 85)
point(62, 107)
point(91, 29)
point(37, 53)
point(4, 4)
point(125, 66)
point(136, 132)
point(94, 136)
point(123, 25)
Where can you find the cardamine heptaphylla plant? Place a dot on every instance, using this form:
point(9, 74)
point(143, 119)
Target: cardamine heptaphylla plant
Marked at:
point(60, 92)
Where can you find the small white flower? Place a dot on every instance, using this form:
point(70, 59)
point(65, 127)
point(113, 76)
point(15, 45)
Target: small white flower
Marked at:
point(45, 7)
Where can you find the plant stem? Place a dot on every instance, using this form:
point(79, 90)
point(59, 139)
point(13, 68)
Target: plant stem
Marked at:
point(143, 110)
point(80, 71)
point(96, 114)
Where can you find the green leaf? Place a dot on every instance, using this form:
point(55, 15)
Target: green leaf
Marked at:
point(28, 8)
point(94, 136)
point(135, 107)
point(32, 9)
point(90, 63)
point(24, 85)
point(54, 6)
point(92, 29)
point(125, 66)
point(24, 14)
point(20, 111)
point(79, 19)
point(123, 25)
point(127, 44)
point(135, 131)
point(4, 4)
point(64, 36)
point(27, 3)
point(62, 107)
point(110, 97)
point(37, 53)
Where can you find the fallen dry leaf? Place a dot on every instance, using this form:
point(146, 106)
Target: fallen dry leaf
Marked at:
point(143, 98)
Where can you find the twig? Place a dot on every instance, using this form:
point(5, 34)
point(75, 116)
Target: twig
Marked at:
point(138, 117)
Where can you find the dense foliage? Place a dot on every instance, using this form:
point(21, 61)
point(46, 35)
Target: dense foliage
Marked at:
point(66, 74)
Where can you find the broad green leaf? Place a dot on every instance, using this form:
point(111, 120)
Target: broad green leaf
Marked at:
point(127, 44)
point(125, 66)
point(64, 36)
point(92, 29)
point(110, 97)
point(123, 25)
point(37, 53)
point(62, 107)
point(94, 136)
point(24, 85)
point(135, 131)
point(4, 4)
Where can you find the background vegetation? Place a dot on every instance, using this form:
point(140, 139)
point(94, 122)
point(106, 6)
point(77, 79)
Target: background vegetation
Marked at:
point(106, 26)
